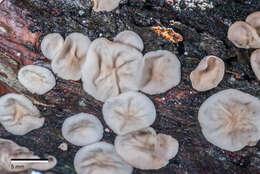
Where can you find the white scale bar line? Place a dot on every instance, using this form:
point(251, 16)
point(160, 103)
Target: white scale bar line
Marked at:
point(31, 161)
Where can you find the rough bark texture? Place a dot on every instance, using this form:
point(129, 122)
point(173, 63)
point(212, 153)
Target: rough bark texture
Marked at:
point(202, 24)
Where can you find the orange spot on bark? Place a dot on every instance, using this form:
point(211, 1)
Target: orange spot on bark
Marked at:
point(237, 75)
point(168, 34)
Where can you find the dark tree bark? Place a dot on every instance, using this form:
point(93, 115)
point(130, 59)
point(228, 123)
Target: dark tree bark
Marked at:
point(203, 27)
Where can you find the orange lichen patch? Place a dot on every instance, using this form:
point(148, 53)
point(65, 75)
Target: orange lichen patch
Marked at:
point(168, 33)
point(237, 75)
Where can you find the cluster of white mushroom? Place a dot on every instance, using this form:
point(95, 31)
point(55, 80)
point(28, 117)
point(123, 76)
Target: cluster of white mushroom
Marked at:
point(137, 145)
point(247, 35)
point(113, 72)
point(109, 68)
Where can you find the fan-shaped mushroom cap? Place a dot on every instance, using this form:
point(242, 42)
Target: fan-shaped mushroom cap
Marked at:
point(242, 35)
point(100, 158)
point(18, 115)
point(51, 45)
point(10, 150)
point(130, 38)
point(254, 20)
point(145, 150)
point(68, 62)
point(230, 119)
point(105, 5)
point(129, 112)
point(82, 129)
point(161, 72)
point(36, 79)
point(110, 69)
point(208, 74)
point(255, 62)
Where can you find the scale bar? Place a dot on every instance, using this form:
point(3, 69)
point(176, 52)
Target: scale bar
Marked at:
point(29, 160)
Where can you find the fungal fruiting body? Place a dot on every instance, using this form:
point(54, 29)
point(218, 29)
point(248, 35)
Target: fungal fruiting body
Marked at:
point(208, 74)
point(130, 38)
point(243, 35)
point(105, 5)
point(255, 62)
point(110, 69)
point(18, 115)
point(230, 119)
point(144, 149)
point(161, 71)
point(71, 57)
point(67, 56)
point(254, 20)
point(51, 45)
point(100, 158)
point(10, 150)
point(82, 129)
point(36, 79)
point(129, 112)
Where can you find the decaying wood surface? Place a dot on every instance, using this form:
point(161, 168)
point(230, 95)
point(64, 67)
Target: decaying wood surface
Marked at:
point(203, 26)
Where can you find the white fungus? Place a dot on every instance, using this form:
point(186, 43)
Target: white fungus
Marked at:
point(105, 5)
point(51, 45)
point(82, 129)
point(129, 112)
point(144, 149)
point(130, 38)
point(208, 74)
point(254, 20)
point(100, 158)
point(68, 62)
point(243, 35)
point(36, 79)
point(18, 115)
point(110, 69)
point(230, 119)
point(255, 62)
point(161, 72)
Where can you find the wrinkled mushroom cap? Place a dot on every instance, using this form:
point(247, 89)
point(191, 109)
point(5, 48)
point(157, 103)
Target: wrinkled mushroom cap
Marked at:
point(82, 129)
point(130, 38)
point(18, 115)
point(161, 72)
point(255, 62)
point(129, 112)
point(110, 69)
point(36, 79)
point(10, 150)
point(68, 62)
point(208, 74)
point(144, 149)
point(105, 5)
point(230, 119)
point(242, 35)
point(100, 158)
point(254, 20)
point(51, 45)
